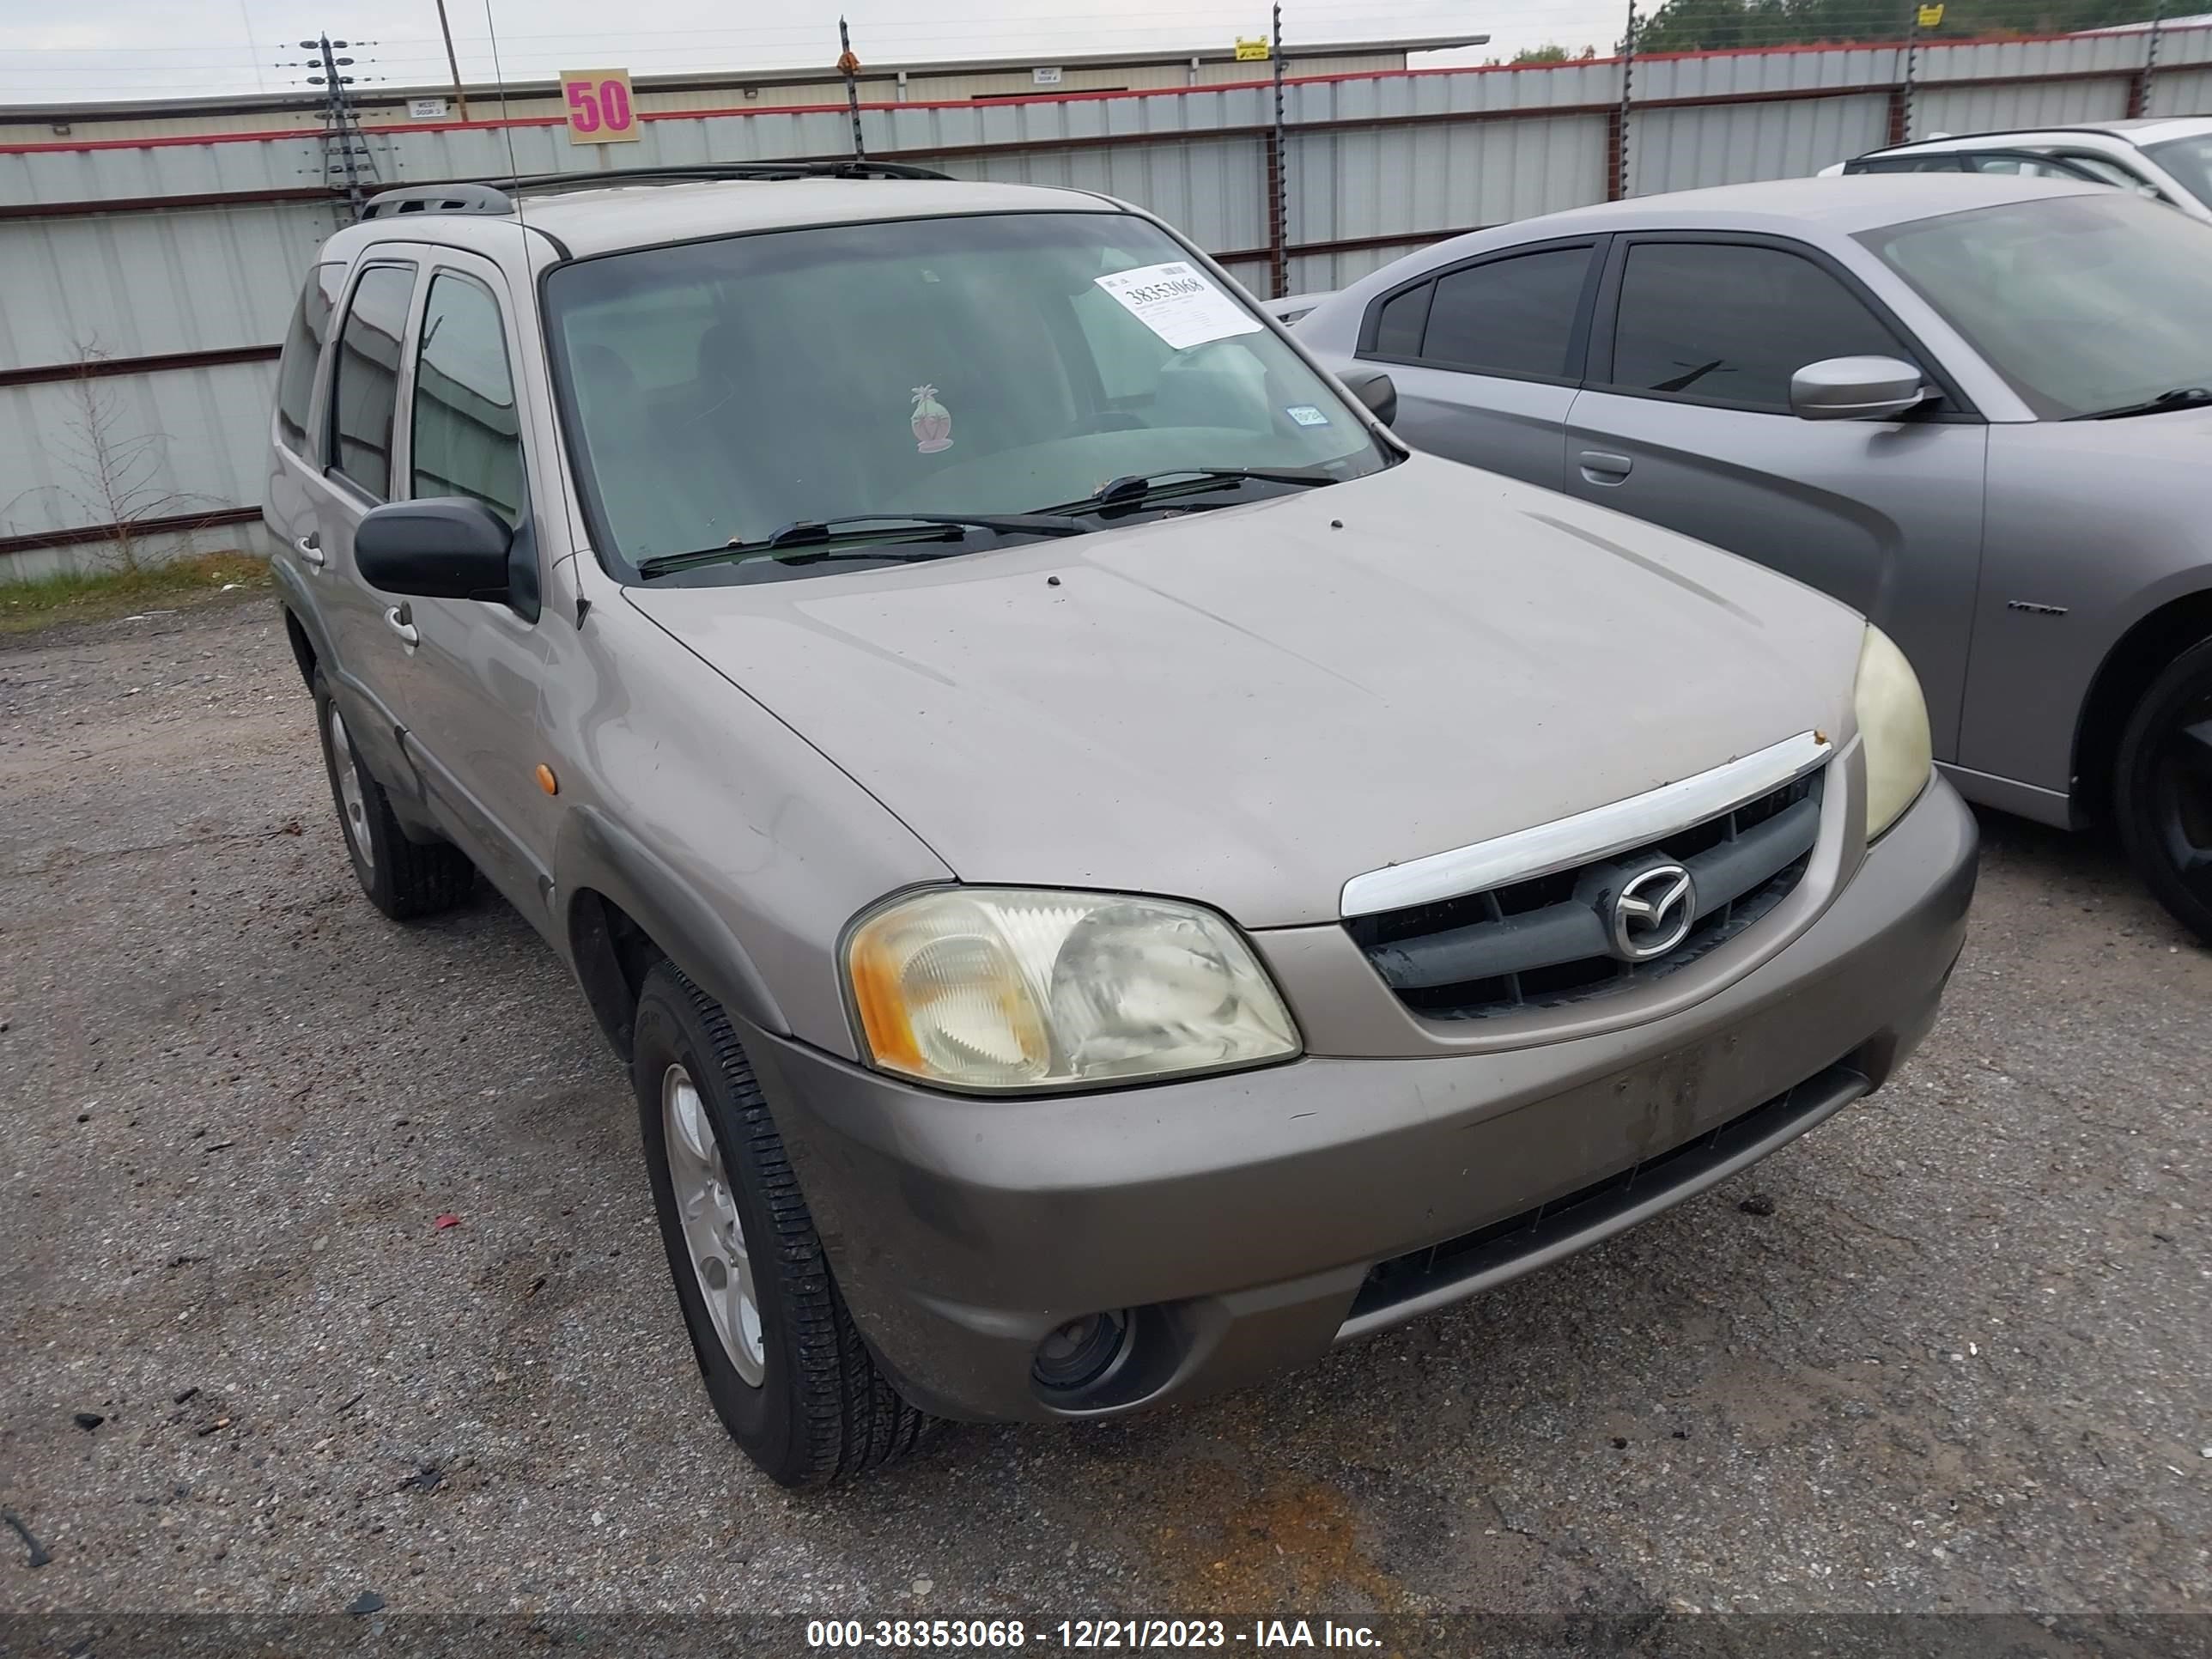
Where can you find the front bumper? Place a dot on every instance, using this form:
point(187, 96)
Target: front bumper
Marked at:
point(1251, 1221)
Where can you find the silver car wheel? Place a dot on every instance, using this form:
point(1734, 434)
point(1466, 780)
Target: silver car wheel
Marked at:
point(713, 1236)
point(353, 801)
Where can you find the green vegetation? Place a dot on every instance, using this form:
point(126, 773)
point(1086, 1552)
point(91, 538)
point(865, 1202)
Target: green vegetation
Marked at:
point(1726, 25)
point(97, 595)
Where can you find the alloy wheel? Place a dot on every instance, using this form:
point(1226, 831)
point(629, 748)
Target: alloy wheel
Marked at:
point(716, 1239)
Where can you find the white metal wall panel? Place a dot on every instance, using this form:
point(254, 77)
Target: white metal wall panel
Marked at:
point(1323, 273)
point(2049, 103)
point(2079, 54)
point(202, 433)
point(1742, 75)
point(1457, 92)
point(1735, 143)
point(1424, 179)
point(146, 284)
point(86, 175)
point(2189, 46)
point(2182, 92)
point(247, 536)
point(1212, 190)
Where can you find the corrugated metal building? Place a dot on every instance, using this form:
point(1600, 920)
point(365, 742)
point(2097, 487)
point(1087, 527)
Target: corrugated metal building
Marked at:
point(175, 258)
point(879, 83)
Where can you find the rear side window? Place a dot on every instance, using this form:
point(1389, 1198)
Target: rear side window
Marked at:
point(303, 349)
point(1729, 323)
point(1509, 316)
point(365, 383)
point(465, 437)
point(1404, 316)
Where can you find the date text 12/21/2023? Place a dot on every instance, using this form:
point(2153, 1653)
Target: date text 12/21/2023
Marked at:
point(1011, 1635)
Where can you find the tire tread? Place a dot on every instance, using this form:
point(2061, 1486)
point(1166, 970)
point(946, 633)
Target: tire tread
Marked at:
point(855, 1420)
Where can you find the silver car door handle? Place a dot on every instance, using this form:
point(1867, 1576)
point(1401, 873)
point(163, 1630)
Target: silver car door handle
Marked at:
point(398, 619)
point(310, 549)
point(1602, 466)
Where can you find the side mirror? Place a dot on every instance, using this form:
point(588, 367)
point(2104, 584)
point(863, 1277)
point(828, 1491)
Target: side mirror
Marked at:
point(1856, 389)
point(1373, 388)
point(447, 548)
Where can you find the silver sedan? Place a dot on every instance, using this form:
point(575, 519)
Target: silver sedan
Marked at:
point(1977, 409)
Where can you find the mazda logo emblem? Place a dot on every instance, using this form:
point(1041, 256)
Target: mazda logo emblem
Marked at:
point(1652, 912)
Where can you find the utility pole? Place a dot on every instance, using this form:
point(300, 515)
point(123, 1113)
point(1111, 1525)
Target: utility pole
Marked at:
point(849, 67)
point(1278, 212)
point(346, 165)
point(452, 63)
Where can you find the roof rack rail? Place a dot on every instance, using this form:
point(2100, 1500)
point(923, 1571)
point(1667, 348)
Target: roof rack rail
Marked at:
point(706, 172)
point(437, 198)
point(496, 195)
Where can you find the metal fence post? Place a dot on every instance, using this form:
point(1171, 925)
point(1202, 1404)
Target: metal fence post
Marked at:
point(1901, 110)
point(1617, 182)
point(849, 67)
point(2141, 88)
point(1279, 194)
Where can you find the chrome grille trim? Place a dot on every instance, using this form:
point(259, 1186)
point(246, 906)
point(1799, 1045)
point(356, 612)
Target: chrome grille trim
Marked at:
point(1585, 837)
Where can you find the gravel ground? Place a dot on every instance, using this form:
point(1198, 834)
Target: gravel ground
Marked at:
point(1958, 1358)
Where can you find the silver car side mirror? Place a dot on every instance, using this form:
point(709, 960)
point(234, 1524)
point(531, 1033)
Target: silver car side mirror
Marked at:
point(1856, 389)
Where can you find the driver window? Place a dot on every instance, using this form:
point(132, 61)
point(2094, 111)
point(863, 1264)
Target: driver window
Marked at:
point(466, 432)
point(1730, 323)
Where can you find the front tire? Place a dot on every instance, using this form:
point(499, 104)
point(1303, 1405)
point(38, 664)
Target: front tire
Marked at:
point(787, 1370)
point(404, 879)
point(2163, 789)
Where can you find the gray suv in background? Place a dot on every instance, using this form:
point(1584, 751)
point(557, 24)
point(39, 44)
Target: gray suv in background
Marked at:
point(1110, 875)
point(1976, 408)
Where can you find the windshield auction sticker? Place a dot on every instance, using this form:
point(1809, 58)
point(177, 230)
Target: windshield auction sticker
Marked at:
point(1179, 303)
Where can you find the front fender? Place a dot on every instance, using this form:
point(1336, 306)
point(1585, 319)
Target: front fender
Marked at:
point(595, 854)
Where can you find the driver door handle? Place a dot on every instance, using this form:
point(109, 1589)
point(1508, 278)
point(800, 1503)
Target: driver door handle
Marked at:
point(309, 547)
point(1602, 466)
point(401, 621)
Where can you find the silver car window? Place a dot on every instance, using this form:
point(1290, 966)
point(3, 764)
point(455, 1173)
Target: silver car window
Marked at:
point(1721, 322)
point(365, 381)
point(466, 434)
point(2083, 303)
point(2190, 161)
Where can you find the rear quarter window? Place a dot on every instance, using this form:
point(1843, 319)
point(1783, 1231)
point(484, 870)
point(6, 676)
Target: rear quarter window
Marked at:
point(303, 352)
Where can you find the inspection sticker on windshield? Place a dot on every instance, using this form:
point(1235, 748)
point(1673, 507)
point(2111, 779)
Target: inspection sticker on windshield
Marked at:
point(1305, 415)
point(1179, 303)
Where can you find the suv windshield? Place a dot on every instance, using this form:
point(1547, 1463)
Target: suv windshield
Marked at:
point(2189, 160)
point(719, 391)
point(2083, 303)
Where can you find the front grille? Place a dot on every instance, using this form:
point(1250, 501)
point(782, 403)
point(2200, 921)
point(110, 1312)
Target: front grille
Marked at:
point(1490, 1255)
point(1542, 942)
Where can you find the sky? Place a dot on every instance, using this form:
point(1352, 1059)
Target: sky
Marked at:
point(116, 50)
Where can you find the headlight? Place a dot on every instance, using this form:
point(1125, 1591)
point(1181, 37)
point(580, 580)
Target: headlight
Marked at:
point(1893, 729)
point(999, 988)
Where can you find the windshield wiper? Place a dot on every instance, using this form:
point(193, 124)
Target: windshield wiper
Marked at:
point(2182, 396)
point(1139, 488)
point(807, 540)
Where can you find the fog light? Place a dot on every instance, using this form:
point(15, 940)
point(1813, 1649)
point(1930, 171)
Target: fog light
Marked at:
point(1080, 1351)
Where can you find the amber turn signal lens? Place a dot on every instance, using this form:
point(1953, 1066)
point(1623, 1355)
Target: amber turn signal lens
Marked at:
point(546, 781)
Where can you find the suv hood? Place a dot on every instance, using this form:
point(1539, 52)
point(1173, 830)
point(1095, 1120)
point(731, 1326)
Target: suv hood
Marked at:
point(1246, 707)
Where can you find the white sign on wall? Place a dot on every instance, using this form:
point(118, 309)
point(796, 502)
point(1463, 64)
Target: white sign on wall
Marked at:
point(1044, 78)
point(425, 109)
